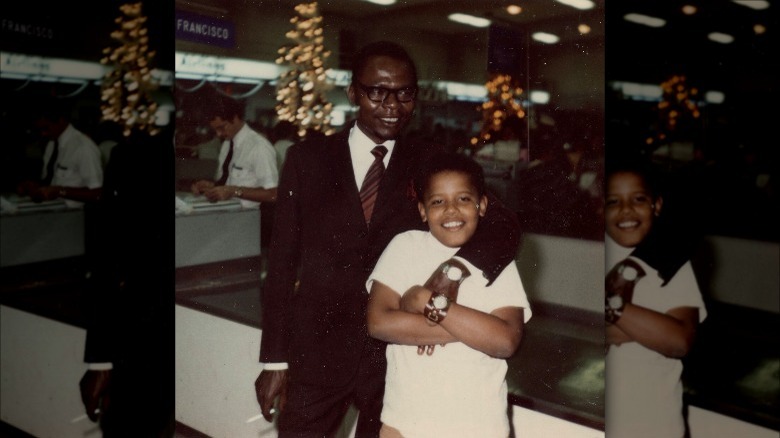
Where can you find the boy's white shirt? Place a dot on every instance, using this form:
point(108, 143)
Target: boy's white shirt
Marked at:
point(466, 386)
point(644, 394)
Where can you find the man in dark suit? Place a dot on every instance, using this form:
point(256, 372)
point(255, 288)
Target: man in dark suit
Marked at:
point(317, 355)
point(128, 386)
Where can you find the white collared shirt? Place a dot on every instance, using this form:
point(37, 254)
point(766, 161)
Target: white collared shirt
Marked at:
point(253, 163)
point(360, 147)
point(78, 160)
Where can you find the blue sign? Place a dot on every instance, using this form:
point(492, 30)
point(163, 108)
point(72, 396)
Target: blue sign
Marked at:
point(205, 30)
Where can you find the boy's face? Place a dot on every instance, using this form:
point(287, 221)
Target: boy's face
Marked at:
point(629, 209)
point(452, 207)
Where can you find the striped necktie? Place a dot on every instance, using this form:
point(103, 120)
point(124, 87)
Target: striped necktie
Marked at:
point(370, 186)
point(50, 166)
point(226, 166)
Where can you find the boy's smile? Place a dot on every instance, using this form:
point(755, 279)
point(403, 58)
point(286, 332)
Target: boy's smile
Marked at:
point(452, 207)
point(630, 209)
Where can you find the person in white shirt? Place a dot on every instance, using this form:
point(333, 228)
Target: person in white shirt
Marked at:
point(651, 324)
point(72, 168)
point(247, 160)
point(458, 389)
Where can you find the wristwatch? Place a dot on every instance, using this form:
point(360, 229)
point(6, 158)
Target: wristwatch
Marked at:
point(613, 308)
point(437, 307)
point(455, 271)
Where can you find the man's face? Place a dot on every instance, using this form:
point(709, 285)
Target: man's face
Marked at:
point(50, 129)
point(383, 120)
point(226, 129)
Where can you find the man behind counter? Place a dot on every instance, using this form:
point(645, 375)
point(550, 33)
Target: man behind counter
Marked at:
point(72, 168)
point(247, 160)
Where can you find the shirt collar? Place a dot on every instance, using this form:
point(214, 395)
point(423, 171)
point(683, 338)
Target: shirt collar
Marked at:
point(358, 140)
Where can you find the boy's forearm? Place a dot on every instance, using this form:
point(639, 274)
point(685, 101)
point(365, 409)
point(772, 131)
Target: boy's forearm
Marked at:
point(497, 335)
point(404, 328)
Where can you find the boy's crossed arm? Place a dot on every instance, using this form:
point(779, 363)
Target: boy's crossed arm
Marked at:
point(400, 320)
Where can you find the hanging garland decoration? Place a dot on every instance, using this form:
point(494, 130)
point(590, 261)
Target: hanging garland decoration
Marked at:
point(126, 88)
point(300, 91)
point(503, 101)
point(676, 108)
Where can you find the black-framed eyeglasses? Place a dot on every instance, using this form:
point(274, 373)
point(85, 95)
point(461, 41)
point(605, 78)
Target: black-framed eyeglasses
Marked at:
point(379, 94)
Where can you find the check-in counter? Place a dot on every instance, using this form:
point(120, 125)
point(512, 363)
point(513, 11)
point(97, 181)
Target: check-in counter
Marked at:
point(209, 233)
point(37, 232)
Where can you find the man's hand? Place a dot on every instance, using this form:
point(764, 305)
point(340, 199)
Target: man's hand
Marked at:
point(268, 386)
point(440, 281)
point(443, 281)
point(219, 193)
point(45, 193)
point(26, 187)
point(622, 278)
point(201, 186)
point(94, 386)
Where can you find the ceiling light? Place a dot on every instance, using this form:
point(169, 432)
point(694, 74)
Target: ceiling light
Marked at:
point(578, 4)
point(759, 29)
point(381, 2)
point(720, 37)
point(539, 96)
point(513, 9)
point(645, 20)
point(470, 20)
point(583, 29)
point(753, 4)
point(689, 9)
point(714, 97)
point(545, 37)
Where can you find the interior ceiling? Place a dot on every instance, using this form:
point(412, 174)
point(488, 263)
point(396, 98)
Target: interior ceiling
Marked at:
point(633, 52)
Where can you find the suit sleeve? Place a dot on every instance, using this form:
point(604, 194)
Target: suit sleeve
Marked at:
point(283, 263)
point(496, 241)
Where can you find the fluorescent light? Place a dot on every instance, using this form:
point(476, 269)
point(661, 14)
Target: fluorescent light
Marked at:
point(753, 4)
point(540, 97)
point(639, 91)
point(720, 37)
point(714, 97)
point(645, 20)
point(578, 4)
point(545, 37)
point(470, 20)
point(381, 2)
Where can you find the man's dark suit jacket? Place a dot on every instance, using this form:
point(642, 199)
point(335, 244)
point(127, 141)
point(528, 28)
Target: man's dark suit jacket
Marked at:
point(321, 239)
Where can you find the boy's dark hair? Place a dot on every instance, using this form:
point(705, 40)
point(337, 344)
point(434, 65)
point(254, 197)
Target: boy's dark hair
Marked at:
point(448, 162)
point(636, 166)
point(381, 48)
point(225, 108)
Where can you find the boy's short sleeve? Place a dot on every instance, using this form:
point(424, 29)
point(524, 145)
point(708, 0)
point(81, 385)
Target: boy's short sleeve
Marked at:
point(391, 268)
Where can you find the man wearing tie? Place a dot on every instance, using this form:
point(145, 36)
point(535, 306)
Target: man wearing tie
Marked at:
point(247, 160)
point(72, 168)
point(342, 198)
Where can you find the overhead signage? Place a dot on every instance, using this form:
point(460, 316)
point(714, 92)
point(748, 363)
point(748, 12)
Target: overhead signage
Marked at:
point(205, 30)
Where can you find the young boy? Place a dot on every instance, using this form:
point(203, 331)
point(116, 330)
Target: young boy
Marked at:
point(458, 389)
point(650, 325)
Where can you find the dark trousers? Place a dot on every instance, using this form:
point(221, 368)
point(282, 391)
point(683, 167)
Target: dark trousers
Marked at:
point(317, 411)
